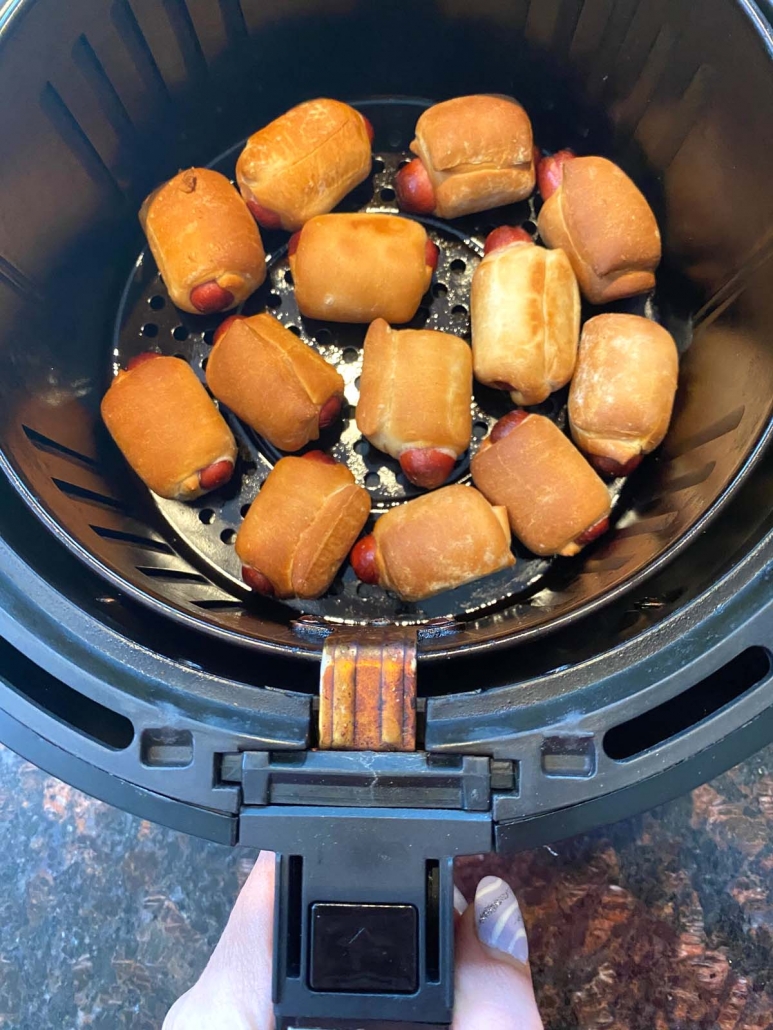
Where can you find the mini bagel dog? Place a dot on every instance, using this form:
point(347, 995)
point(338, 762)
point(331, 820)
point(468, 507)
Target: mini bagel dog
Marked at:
point(273, 381)
point(204, 240)
point(622, 394)
point(415, 396)
point(168, 429)
point(434, 543)
point(525, 313)
point(304, 162)
point(473, 153)
point(301, 526)
point(555, 501)
point(600, 218)
point(358, 267)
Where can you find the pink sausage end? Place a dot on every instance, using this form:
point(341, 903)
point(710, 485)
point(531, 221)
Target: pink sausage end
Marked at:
point(610, 467)
point(594, 532)
point(507, 424)
point(363, 559)
point(414, 189)
point(209, 298)
point(427, 467)
point(330, 412)
point(504, 236)
point(257, 581)
point(550, 172)
point(140, 359)
point(215, 475)
point(263, 216)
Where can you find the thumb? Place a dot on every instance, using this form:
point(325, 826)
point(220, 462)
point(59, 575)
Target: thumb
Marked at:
point(493, 982)
point(234, 991)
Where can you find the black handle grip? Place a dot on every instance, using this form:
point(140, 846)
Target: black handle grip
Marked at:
point(363, 924)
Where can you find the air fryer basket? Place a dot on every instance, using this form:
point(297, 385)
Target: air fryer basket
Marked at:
point(102, 144)
point(132, 661)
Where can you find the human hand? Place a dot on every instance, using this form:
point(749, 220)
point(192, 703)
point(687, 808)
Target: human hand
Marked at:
point(493, 986)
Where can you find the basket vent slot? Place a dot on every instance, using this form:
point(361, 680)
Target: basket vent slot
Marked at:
point(693, 706)
point(80, 713)
point(135, 539)
point(45, 443)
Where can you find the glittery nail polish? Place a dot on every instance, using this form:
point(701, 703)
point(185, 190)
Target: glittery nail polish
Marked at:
point(498, 919)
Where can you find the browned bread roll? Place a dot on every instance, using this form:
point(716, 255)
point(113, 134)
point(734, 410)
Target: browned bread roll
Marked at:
point(273, 381)
point(435, 543)
point(623, 391)
point(354, 268)
point(301, 526)
point(525, 311)
point(168, 429)
point(474, 153)
point(415, 396)
point(205, 241)
point(602, 221)
point(555, 501)
point(303, 163)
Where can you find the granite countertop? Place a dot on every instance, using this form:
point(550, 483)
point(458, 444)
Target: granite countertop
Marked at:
point(662, 921)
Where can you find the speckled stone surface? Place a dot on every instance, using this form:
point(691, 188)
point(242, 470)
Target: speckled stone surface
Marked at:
point(663, 921)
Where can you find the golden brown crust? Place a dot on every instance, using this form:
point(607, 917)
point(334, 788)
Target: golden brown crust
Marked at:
point(358, 267)
point(525, 310)
point(551, 493)
point(607, 228)
point(166, 425)
point(478, 153)
point(272, 380)
point(199, 229)
point(304, 162)
point(440, 541)
point(622, 395)
point(302, 525)
point(415, 390)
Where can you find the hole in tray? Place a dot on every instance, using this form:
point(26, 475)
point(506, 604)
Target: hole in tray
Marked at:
point(362, 446)
point(157, 302)
point(372, 480)
point(208, 337)
point(289, 278)
point(388, 193)
point(244, 509)
point(458, 309)
point(529, 226)
point(207, 516)
point(349, 355)
point(479, 430)
point(295, 330)
point(378, 164)
point(323, 336)
point(439, 289)
point(180, 333)
point(150, 329)
point(273, 301)
point(457, 265)
point(228, 536)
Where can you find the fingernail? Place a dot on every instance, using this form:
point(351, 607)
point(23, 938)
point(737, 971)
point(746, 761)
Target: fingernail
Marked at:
point(498, 919)
point(460, 902)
